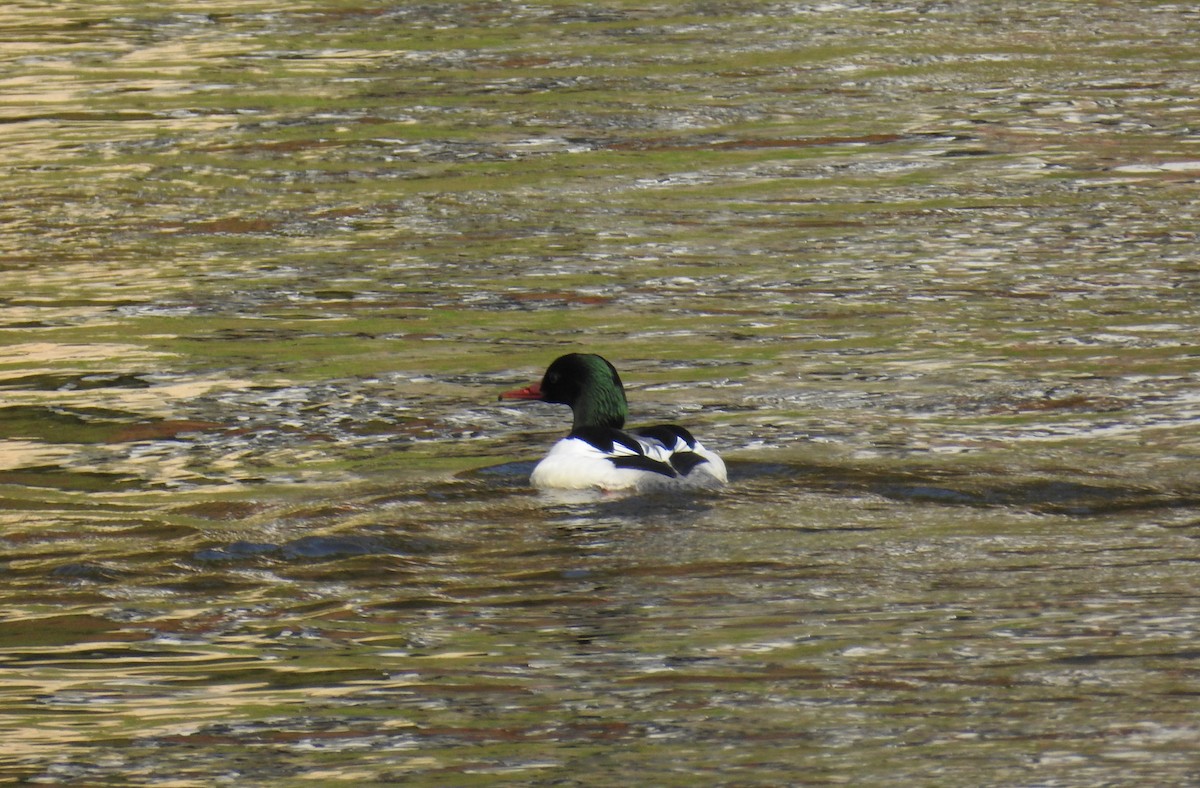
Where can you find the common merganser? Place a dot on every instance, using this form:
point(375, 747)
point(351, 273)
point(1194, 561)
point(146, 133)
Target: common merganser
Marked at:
point(598, 454)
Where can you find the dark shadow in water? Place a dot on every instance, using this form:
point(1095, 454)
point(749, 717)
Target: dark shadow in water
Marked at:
point(320, 548)
point(74, 382)
point(515, 473)
point(963, 488)
point(936, 486)
point(60, 478)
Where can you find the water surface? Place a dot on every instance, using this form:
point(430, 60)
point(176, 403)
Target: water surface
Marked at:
point(924, 273)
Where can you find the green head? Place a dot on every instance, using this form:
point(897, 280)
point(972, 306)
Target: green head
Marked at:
point(590, 386)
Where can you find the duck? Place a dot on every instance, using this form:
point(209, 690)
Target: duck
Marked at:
point(599, 453)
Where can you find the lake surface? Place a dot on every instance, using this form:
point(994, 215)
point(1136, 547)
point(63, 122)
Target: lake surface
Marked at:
point(926, 274)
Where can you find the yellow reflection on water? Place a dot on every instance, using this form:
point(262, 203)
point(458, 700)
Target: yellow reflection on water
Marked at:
point(29, 353)
point(23, 454)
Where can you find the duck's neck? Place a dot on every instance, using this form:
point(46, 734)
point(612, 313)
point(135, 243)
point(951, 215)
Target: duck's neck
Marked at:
point(601, 406)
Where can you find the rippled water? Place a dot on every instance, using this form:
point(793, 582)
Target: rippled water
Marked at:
point(925, 273)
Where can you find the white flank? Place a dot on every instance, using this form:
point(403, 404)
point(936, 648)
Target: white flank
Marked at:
point(574, 464)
